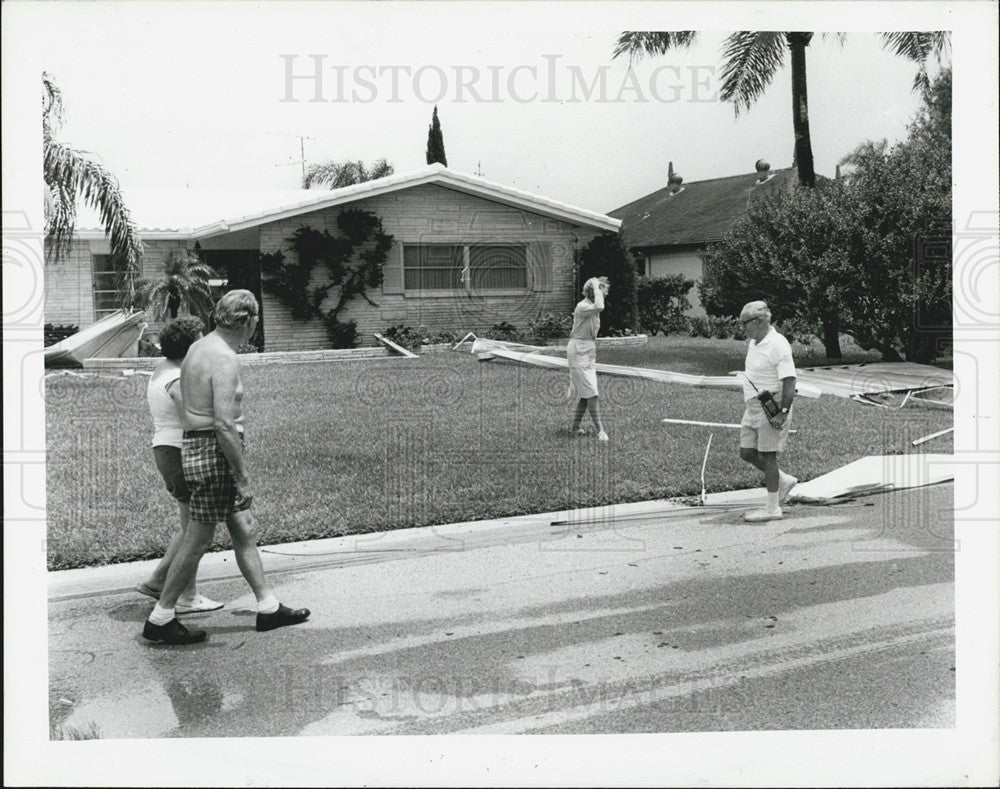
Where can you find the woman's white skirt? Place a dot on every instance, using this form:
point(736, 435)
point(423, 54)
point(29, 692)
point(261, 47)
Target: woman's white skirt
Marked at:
point(582, 358)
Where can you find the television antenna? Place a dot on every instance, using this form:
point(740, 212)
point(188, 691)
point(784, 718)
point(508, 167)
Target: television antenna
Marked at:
point(302, 151)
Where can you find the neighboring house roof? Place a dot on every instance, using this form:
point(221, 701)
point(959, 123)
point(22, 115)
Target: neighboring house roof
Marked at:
point(700, 213)
point(201, 213)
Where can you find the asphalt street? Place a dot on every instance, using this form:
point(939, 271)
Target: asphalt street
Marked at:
point(677, 620)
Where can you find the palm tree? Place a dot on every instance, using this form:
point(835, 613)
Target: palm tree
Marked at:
point(334, 175)
point(184, 284)
point(751, 59)
point(71, 174)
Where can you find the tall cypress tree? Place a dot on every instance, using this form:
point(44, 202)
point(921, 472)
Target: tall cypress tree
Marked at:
point(435, 141)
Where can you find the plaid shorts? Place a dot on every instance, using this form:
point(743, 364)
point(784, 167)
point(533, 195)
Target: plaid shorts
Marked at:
point(209, 478)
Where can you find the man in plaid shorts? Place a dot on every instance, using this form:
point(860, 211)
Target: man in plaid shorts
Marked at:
point(215, 473)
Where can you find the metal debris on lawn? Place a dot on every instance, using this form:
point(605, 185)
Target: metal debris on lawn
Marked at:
point(879, 377)
point(393, 346)
point(502, 350)
point(918, 441)
point(876, 474)
point(731, 425)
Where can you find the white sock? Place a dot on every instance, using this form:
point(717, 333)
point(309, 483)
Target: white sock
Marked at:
point(161, 616)
point(268, 605)
point(772, 501)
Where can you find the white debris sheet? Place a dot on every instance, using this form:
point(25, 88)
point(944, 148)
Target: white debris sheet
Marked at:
point(876, 474)
point(858, 379)
point(392, 346)
point(662, 376)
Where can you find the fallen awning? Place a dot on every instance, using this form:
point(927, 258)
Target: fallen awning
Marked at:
point(876, 474)
point(859, 379)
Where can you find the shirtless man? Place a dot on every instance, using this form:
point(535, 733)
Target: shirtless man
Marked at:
point(215, 473)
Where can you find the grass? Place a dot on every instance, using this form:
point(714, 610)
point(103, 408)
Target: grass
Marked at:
point(353, 447)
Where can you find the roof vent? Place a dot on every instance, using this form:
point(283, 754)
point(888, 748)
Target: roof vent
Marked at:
point(675, 182)
point(762, 168)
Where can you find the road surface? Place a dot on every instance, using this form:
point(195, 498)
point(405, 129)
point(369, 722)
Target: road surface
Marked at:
point(833, 618)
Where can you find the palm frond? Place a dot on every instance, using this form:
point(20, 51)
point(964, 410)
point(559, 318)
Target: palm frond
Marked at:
point(637, 43)
point(53, 109)
point(185, 280)
point(751, 59)
point(70, 174)
point(919, 47)
point(336, 175)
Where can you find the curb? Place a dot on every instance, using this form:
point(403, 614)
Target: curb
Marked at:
point(398, 544)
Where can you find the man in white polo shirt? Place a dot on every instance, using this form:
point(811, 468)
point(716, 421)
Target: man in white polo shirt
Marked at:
point(769, 368)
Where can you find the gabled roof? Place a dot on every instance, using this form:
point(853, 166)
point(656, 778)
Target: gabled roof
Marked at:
point(702, 212)
point(191, 214)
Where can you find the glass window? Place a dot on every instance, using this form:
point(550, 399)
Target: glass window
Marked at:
point(433, 266)
point(108, 296)
point(498, 267)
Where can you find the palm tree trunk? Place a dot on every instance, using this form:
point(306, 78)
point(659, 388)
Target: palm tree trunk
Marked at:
point(797, 43)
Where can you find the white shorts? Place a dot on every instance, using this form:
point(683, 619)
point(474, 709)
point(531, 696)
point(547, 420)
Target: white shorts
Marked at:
point(756, 432)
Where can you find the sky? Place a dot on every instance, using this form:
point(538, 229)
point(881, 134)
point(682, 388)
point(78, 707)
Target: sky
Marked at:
point(191, 94)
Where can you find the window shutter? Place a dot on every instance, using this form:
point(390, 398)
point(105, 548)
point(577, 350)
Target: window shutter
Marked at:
point(392, 270)
point(540, 265)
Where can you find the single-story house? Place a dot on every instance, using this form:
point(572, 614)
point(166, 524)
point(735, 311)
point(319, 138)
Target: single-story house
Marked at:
point(665, 230)
point(467, 253)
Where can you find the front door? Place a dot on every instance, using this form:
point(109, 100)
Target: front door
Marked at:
point(241, 269)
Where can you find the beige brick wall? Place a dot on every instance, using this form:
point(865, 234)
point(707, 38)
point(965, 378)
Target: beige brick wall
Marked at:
point(69, 284)
point(423, 214)
point(431, 214)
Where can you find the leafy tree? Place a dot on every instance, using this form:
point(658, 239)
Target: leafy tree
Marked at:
point(184, 286)
point(335, 175)
point(606, 256)
point(869, 255)
point(71, 174)
point(752, 58)
point(788, 249)
point(662, 302)
point(435, 141)
point(901, 248)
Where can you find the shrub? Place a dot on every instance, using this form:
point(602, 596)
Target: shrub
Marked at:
point(698, 326)
point(723, 327)
point(413, 339)
point(504, 331)
point(248, 347)
point(56, 332)
point(403, 335)
point(662, 302)
point(550, 326)
point(342, 334)
point(606, 256)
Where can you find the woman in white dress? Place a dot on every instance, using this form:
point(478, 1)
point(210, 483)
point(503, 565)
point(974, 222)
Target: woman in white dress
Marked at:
point(581, 353)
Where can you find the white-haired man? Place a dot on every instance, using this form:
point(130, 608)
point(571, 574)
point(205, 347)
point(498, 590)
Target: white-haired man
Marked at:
point(215, 473)
point(769, 368)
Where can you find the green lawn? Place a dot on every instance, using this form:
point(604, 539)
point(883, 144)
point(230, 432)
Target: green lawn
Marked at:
point(350, 447)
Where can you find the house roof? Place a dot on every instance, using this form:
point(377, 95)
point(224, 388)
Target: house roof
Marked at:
point(700, 213)
point(191, 214)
